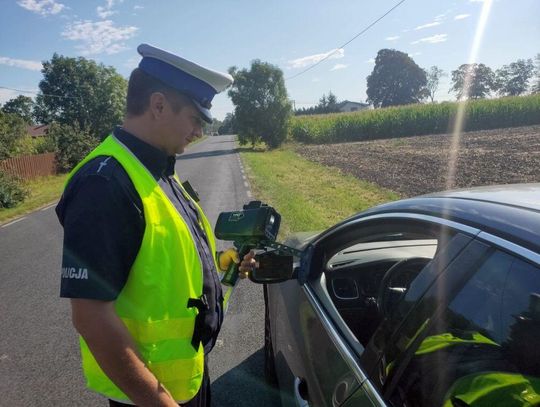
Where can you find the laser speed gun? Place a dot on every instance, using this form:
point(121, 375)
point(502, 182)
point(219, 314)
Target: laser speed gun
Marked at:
point(255, 227)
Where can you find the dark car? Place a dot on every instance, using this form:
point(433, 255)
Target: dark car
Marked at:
point(428, 301)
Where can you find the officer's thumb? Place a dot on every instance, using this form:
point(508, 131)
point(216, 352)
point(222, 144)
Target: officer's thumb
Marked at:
point(226, 257)
point(235, 256)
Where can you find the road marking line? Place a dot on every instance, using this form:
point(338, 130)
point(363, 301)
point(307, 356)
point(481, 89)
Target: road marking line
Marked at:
point(48, 207)
point(15, 221)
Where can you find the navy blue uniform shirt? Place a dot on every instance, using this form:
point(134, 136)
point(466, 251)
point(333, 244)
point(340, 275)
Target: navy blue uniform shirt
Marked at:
point(103, 219)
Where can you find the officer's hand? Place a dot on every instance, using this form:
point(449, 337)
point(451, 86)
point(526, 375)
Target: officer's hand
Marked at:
point(227, 257)
point(247, 265)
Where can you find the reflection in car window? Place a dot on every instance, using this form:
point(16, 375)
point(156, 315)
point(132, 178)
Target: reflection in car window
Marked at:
point(478, 306)
point(355, 273)
point(481, 350)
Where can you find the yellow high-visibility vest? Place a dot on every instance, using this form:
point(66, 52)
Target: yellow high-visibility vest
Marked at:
point(167, 272)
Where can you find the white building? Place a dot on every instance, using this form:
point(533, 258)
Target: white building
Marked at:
point(348, 106)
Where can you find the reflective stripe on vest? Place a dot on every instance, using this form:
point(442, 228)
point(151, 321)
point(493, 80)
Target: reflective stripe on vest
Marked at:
point(156, 314)
point(487, 389)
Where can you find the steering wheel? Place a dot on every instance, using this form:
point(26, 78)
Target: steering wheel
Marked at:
point(396, 281)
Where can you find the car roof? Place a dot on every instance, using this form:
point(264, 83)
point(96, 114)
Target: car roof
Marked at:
point(511, 212)
point(526, 196)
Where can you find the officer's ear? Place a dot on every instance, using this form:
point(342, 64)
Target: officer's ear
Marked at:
point(158, 103)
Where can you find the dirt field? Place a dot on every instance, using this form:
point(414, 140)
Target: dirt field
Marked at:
point(419, 165)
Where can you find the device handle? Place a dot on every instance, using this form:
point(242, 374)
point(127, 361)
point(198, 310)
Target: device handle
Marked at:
point(231, 275)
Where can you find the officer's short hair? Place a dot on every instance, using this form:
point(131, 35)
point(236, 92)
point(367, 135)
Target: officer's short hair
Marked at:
point(140, 88)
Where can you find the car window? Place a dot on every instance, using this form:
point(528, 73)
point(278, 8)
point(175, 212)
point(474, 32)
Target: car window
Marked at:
point(391, 257)
point(401, 322)
point(354, 276)
point(481, 347)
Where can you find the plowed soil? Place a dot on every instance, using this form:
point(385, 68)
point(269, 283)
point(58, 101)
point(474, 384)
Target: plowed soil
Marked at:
point(422, 164)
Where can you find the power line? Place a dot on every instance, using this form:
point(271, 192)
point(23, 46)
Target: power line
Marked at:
point(348, 42)
point(44, 94)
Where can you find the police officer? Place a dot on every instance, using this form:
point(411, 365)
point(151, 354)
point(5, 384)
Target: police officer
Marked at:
point(139, 262)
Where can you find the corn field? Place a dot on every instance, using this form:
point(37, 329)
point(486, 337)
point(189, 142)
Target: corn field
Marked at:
point(415, 120)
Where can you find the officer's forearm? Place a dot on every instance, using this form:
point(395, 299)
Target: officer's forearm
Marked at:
point(116, 353)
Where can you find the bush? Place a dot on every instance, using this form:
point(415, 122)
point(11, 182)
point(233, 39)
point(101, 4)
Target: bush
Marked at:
point(415, 120)
point(72, 144)
point(12, 129)
point(12, 190)
point(25, 146)
point(45, 145)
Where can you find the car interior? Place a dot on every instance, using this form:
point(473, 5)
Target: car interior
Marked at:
point(357, 279)
point(366, 275)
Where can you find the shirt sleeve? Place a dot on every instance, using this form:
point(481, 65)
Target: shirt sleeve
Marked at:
point(103, 230)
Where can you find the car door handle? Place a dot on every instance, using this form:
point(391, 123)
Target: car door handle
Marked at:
point(300, 392)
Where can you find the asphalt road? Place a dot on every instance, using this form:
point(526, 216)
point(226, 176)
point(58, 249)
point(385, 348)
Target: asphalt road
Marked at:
point(39, 356)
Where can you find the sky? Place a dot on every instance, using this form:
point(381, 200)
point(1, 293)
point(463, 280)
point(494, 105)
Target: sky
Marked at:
point(291, 34)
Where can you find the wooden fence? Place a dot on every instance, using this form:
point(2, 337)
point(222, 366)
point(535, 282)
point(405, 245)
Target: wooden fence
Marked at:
point(30, 166)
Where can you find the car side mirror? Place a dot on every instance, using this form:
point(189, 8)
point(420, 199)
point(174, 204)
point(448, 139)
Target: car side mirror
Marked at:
point(272, 268)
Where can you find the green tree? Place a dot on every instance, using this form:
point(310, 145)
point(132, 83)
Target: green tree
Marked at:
point(21, 106)
point(212, 128)
point(72, 144)
point(327, 104)
point(262, 109)
point(473, 81)
point(331, 102)
point(322, 101)
point(78, 91)
point(227, 127)
point(395, 80)
point(433, 76)
point(513, 79)
point(536, 81)
point(12, 130)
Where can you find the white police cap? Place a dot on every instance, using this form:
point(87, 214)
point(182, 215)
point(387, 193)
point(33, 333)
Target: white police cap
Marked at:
point(197, 82)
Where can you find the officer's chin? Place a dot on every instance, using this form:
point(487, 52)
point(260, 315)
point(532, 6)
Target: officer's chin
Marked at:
point(180, 149)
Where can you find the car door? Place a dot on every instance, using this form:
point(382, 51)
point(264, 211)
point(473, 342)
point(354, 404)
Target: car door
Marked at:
point(311, 360)
point(478, 346)
point(318, 358)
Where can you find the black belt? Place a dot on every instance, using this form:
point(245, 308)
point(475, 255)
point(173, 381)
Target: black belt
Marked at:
point(202, 306)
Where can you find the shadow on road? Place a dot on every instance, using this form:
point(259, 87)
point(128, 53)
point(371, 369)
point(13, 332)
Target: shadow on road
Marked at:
point(223, 141)
point(204, 154)
point(245, 386)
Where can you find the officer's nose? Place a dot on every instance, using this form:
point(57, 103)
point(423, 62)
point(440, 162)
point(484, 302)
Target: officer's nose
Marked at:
point(198, 130)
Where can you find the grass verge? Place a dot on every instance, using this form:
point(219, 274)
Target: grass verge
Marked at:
point(197, 141)
point(309, 196)
point(42, 191)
